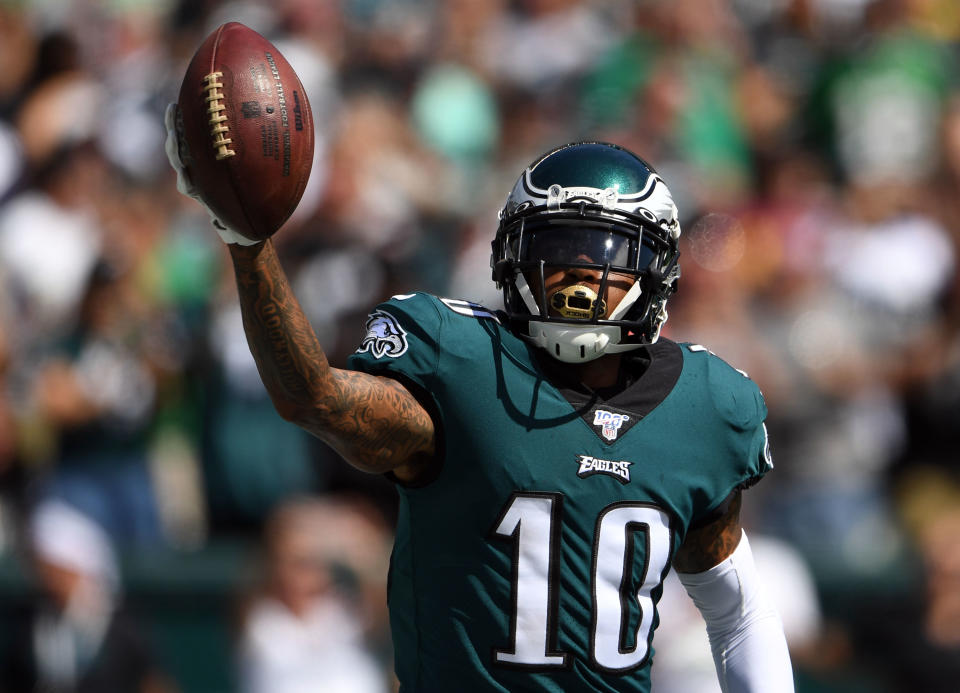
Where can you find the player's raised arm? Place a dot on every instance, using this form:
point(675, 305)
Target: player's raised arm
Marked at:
point(374, 422)
point(237, 88)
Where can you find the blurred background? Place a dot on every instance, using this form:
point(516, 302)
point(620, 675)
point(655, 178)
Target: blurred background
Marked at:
point(162, 529)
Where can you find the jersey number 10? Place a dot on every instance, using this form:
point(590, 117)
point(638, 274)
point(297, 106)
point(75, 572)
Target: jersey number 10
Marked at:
point(532, 521)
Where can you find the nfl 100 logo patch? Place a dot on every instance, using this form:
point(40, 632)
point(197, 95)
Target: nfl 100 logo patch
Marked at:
point(609, 422)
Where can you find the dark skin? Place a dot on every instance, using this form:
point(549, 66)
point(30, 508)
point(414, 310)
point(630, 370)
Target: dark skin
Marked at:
point(374, 422)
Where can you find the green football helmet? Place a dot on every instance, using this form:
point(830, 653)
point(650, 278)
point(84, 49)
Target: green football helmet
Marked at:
point(596, 206)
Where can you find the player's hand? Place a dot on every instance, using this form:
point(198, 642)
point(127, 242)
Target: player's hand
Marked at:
point(186, 187)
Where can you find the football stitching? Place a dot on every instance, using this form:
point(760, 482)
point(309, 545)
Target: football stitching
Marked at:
point(218, 117)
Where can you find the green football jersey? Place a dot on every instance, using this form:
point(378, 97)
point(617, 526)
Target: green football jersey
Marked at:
point(535, 559)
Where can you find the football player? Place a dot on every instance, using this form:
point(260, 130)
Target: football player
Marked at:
point(553, 459)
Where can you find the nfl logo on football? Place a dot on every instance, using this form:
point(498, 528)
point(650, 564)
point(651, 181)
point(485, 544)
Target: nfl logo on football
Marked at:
point(610, 422)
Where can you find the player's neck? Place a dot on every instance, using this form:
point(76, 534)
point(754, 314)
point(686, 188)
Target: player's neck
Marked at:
point(598, 374)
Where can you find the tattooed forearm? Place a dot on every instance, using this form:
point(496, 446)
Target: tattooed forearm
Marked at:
point(291, 363)
point(375, 423)
point(707, 546)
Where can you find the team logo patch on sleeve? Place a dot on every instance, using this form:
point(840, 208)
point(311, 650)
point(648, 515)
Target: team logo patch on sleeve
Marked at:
point(384, 336)
point(619, 469)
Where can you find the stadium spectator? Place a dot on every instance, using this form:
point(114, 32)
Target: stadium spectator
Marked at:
point(316, 622)
point(77, 638)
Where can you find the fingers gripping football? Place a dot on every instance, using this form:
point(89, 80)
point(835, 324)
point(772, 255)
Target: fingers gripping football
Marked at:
point(184, 184)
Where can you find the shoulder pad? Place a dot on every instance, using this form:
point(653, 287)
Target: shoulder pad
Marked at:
point(417, 335)
point(418, 306)
point(735, 396)
point(399, 322)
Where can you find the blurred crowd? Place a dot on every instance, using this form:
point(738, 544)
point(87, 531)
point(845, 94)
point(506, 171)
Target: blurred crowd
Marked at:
point(812, 147)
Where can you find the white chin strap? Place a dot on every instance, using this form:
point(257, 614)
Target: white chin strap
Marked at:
point(572, 343)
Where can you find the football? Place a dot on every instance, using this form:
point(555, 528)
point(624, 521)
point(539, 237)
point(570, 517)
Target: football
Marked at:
point(245, 130)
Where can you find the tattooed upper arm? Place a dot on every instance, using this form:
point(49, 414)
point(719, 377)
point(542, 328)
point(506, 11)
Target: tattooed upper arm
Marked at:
point(709, 545)
point(375, 423)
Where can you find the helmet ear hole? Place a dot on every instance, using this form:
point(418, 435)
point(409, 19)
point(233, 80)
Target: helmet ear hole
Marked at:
point(501, 269)
point(647, 214)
